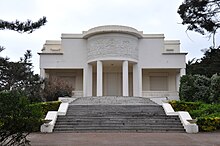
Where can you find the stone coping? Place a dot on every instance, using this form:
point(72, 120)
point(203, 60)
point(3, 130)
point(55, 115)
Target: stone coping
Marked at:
point(112, 29)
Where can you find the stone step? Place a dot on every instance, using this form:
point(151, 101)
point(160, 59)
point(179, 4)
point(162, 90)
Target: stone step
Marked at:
point(118, 111)
point(120, 129)
point(116, 114)
point(92, 123)
point(118, 121)
point(107, 100)
point(78, 122)
point(118, 126)
point(114, 110)
point(117, 118)
point(112, 107)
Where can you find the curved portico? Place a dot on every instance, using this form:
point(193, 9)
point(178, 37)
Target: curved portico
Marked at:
point(111, 50)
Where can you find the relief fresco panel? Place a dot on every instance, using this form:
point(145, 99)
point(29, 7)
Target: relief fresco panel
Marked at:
point(112, 46)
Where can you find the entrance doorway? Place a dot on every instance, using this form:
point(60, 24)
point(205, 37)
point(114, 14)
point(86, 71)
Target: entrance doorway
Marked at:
point(112, 84)
point(112, 78)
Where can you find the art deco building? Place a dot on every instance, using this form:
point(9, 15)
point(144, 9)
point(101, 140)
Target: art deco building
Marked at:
point(115, 60)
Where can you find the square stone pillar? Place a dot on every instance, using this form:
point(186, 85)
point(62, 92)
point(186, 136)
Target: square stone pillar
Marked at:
point(182, 72)
point(179, 75)
point(125, 78)
point(177, 81)
point(42, 73)
point(87, 80)
point(99, 78)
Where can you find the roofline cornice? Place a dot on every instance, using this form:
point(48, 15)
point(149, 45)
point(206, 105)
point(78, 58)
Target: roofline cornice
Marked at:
point(112, 29)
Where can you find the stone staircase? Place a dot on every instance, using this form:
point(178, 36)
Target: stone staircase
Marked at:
point(117, 118)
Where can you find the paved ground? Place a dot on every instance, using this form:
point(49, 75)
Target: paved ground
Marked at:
point(108, 100)
point(125, 139)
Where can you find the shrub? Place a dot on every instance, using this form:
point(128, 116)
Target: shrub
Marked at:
point(208, 115)
point(48, 106)
point(184, 106)
point(215, 89)
point(17, 118)
point(194, 88)
point(201, 86)
point(186, 90)
point(208, 123)
point(207, 110)
point(44, 107)
point(55, 88)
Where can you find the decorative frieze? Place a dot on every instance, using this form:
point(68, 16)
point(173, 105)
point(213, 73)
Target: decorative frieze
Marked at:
point(112, 46)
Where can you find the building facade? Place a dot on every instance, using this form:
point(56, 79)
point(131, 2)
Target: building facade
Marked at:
point(115, 60)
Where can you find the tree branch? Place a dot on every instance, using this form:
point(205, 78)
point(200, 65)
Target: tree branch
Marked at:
point(22, 27)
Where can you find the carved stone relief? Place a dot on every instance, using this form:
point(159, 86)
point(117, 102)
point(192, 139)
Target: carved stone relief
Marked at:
point(112, 46)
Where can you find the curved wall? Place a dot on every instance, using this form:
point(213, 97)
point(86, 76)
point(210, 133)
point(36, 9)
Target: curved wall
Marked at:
point(114, 46)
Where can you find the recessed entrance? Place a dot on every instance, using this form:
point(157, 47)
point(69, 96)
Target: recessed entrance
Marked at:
point(112, 78)
point(112, 84)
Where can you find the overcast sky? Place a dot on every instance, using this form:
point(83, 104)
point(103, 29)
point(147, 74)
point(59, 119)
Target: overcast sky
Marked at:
point(75, 16)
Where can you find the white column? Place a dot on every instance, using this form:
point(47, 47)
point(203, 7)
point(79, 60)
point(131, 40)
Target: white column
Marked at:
point(125, 78)
point(85, 81)
point(99, 78)
point(137, 80)
point(140, 81)
point(89, 80)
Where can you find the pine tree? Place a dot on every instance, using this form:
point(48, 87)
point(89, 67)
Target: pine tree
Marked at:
point(17, 82)
point(208, 65)
point(200, 15)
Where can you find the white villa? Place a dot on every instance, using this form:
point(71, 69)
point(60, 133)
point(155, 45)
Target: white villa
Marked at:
point(115, 60)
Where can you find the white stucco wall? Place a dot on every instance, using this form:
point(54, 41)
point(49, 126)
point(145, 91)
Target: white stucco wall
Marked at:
point(75, 52)
point(73, 55)
point(152, 55)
